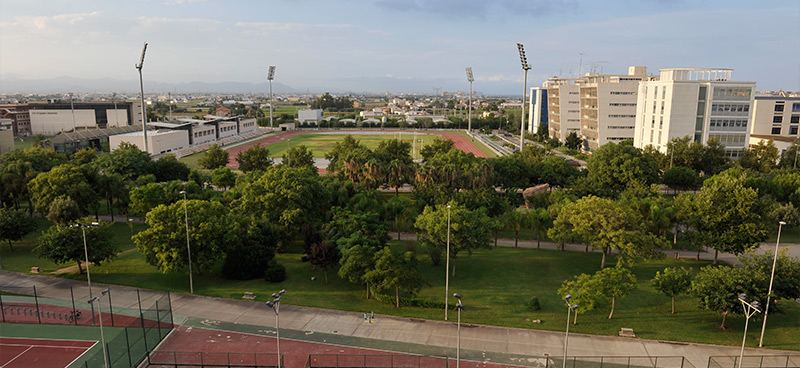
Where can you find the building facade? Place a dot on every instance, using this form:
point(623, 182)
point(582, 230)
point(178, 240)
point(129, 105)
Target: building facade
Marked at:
point(695, 102)
point(537, 109)
point(608, 106)
point(776, 116)
point(309, 116)
point(20, 118)
point(54, 118)
point(564, 112)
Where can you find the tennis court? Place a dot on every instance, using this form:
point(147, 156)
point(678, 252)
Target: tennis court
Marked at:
point(28, 352)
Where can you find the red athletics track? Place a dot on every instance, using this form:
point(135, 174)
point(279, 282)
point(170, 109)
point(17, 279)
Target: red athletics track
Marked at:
point(295, 353)
point(27, 353)
point(459, 141)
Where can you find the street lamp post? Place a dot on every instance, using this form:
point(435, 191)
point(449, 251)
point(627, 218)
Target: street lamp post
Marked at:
point(570, 308)
point(525, 67)
point(771, 278)
point(188, 248)
point(102, 336)
point(72, 107)
point(86, 256)
point(447, 267)
point(130, 224)
point(469, 115)
point(460, 307)
point(275, 304)
point(750, 308)
point(270, 77)
point(141, 95)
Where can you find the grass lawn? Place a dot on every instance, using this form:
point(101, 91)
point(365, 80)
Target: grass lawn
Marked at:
point(496, 285)
point(320, 144)
point(23, 257)
point(788, 235)
point(23, 144)
point(192, 161)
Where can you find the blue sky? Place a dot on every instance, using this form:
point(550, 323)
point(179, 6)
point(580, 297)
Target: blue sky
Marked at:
point(396, 45)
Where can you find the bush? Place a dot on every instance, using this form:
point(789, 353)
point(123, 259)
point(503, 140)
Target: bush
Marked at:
point(436, 255)
point(246, 262)
point(534, 303)
point(276, 272)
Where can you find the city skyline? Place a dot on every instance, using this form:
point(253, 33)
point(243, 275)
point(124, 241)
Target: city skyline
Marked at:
point(394, 46)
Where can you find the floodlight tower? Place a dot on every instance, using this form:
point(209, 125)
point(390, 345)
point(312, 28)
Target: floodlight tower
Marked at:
point(270, 77)
point(525, 67)
point(469, 116)
point(141, 94)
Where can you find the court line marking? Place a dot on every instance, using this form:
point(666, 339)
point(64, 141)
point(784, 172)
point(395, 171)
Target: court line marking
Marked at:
point(18, 355)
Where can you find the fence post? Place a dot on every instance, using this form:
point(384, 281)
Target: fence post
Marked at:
point(2, 308)
point(158, 322)
point(171, 321)
point(74, 311)
point(110, 308)
point(683, 359)
point(629, 362)
point(128, 346)
point(141, 319)
point(601, 362)
point(36, 298)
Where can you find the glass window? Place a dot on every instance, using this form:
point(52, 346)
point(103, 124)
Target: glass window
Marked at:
point(779, 107)
point(793, 130)
point(776, 130)
point(795, 119)
point(796, 107)
point(702, 94)
point(777, 119)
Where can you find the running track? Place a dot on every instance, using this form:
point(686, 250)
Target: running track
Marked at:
point(28, 353)
point(459, 142)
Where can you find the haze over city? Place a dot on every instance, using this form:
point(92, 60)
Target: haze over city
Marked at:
point(386, 45)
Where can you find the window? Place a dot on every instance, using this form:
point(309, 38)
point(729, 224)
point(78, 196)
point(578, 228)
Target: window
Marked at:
point(777, 119)
point(793, 130)
point(776, 130)
point(702, 94)
point(796, 107)
point(655, 93)
point(794, 119)
point(779, 107)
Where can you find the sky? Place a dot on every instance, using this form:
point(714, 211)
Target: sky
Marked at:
point(395, 46)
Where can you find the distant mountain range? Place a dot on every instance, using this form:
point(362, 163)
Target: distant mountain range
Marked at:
point(375, 85)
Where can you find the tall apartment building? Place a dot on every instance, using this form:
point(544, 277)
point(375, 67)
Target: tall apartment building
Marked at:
point(564, 112)
point(696, 102)
point(776, 116)
point(608, 106)
point(537, 109)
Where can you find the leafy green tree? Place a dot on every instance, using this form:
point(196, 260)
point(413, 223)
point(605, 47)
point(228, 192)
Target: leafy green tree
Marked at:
point(515, 220)
point(718, 288)
point(672, 282)
point(540, 221)
point(214, 157)
point(555, 171)
point(573, 141)
point(613, 167)
point(358, 258)
point(347, 150)
point(63, 211)
point(84, 156)
point(396, 272)
point(62, 244)
point(250, 257)
point(439, 145)
point(714, 159)
point(14, 177)
point(223, 177)
point(168, 168)
point(761, 157)
point(394, 149)
point(680, 178)
point(254, 158)
point(399, 173)
point(791, 156)
point(345, 222)
point(616, 282)
point(786, 284)
point(127, 160)
point(324, 255)
point(585, 291)
point(469, 229)
point(299, 156)
point(14, 225)
point(110, 187)
point(65, 180)
point(400, 211)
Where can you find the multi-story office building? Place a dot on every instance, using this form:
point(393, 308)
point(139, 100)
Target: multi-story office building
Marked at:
point(608, 106)
point(537, 109)
point(564, 112)
point(695, 102)
point(776, 116)
point(54, 118)
point(20, 118)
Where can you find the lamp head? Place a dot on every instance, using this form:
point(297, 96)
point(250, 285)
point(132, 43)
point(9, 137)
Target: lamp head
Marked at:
point(276, 295)
point(756, 305)
point(469, 75)
point(457, 295)
point(567, 298)
point(271, 73)
point(573, 307)
point(782, 223)
point(141, 61)
point(271, 304)
point(459, 305)
point(743, 297)
point(282, 291)
point(182, 192)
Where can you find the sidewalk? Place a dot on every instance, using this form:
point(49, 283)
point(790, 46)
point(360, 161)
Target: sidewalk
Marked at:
point(486, 343)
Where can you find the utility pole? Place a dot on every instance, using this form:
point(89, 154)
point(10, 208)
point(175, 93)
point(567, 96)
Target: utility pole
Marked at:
point(141, 94)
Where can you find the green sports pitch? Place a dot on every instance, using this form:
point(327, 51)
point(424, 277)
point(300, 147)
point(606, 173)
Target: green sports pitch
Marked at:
point(322, 143)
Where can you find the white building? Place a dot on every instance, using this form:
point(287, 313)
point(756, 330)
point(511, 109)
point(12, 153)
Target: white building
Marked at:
point(777, 117)
point(158, 141)
point(564, 111)
point(608, 106)
point(54, 118)
point(695, 102)
point(166, 137)
point(537, 109)
point(309, 116)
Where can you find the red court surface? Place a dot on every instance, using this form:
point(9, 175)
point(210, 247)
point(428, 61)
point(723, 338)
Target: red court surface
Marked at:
point(459, 141)
point(45, 353)
point(60, 315)
point(295, 353)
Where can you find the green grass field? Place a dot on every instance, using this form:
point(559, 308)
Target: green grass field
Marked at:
point(321, 144)
point(496, 285)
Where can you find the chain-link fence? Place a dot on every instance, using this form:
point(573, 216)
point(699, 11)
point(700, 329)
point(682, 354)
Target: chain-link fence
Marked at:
point(145, 317)
point(413, 361)
point(174, 359)
point(755, 361)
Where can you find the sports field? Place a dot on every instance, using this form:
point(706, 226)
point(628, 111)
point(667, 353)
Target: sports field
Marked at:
point(322, 143)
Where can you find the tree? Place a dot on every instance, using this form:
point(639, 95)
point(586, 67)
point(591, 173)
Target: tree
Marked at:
point(469, 229)
point(84, 156)
point(539, 221)
point(613, 167)
point(250, 257)
point(573, 141)
point(63, 211)
point(214, 157)
point(223, 177)
point(127, 160)
point(786, 283)
point(324, 255)
point(345, 151)
point(515, 220)
point(254, 158)
point(672, 282)
point(789, 157)
point(65, 180)
point(399, 173)
point(111, 187)
point(400, 211)
point(605, 224)
point(439, 145)
point(168, 168)
point(395, 272)
point(14, 225)
point(163, 243)
point(62, 244)
point(680, 178)
point(714, 159)
point(585, 292)
point(717, 289)
point(616, 282)
point(299, 156)
point(358, 258)
point(761, 157)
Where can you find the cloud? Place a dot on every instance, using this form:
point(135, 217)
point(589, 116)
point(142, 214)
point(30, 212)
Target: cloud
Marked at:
point(182, 2)
point(479, 9)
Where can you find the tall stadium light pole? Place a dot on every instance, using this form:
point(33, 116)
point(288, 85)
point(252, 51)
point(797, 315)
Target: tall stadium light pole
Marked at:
point(525, 67)
point(141, 95)
point(469, 115)
point(447, 267)
point(460, 307)
point(188, 248)
point(116, 115)
point(102, 336)
point(771, 278)
point(86, 256)
point(270, 77)
point(275, 304)
point(72, 107)
point(750, 308)
point(570, 308)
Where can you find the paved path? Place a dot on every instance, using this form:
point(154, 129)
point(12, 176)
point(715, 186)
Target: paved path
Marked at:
point(404, 334)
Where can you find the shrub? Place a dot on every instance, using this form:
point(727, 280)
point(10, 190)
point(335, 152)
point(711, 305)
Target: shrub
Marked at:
point(246, 261)
point(534, 303)
point(275, 272)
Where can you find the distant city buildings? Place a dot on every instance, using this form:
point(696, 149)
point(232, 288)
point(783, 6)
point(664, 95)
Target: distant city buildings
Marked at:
point(776, 116)
point(309, 116)
point(54, 118)
point(18, 118)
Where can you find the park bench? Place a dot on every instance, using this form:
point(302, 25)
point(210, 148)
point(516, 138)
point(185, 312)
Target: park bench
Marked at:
point(35, 270)
point(626, 332)
point(249, 295)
